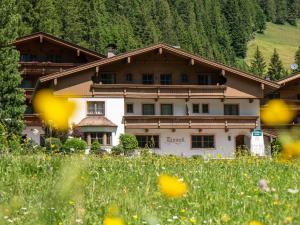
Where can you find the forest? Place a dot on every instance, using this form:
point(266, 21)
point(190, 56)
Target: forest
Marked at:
point(216, 29)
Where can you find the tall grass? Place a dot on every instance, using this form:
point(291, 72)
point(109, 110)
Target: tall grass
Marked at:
point(43, 189)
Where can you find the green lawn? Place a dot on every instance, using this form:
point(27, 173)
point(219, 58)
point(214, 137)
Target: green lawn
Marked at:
point(42, 189)
point(285, 38)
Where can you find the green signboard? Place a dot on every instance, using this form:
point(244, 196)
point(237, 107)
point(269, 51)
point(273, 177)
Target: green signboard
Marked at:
point(257, 133)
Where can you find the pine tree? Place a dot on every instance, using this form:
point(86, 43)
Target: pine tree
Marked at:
point(293, 10)
point(258, 65)
point(281, 11)
point(276, 70)
point(297, 59)
point(11, 96)
point(48, 19)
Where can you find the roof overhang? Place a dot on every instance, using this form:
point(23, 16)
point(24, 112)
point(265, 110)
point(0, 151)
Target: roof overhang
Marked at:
point(44, 36)
point(288, 79)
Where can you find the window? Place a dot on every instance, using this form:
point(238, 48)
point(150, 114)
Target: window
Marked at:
point(166, 79)
point(205, 108)
point(184, 78)
point(274, 95)
point(95, 108)
point(148, 109)
point(108, 78)
point(203, 141)
point(129, 77)
point(26, 83)
point(25, 58)
point(148, 78)
point(298, 96)
point(231, 109)
point(29, 109)
point(204, 79)
point(104, 138)
point(150, 141)
point(129, 108)
point(166, 109)
point(196, 108)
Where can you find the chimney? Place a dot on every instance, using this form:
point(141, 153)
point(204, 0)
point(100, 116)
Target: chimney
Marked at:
point(111, 50)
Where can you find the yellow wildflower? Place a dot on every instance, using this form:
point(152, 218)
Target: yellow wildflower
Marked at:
point(255, 222)
point(289, 219)
point(225, 218)
point(135, 217)
point(55, 111)
point(60, 223)
point(193, 220)
point(277, 112)
point(172, 187)
point(113, 221)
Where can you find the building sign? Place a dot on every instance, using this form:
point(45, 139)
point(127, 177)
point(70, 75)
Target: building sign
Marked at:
point(257, 143)
point(171, 140)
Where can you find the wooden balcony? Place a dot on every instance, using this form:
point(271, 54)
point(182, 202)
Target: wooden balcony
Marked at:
point(44, 68)
point(32, 120)
point(186, 122)
point(158, 91)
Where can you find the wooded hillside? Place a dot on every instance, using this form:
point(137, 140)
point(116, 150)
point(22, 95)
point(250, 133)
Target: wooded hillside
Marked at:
point(217, 29)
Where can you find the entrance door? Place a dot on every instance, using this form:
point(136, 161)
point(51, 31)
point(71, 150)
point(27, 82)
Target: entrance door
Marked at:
point(240, 141)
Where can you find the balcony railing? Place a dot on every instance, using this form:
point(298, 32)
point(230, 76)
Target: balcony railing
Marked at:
point(158, 91)
point(185, 122)
point(44, 68)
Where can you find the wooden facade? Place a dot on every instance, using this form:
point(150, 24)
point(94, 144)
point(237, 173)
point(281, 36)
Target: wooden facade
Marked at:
point(42, 54)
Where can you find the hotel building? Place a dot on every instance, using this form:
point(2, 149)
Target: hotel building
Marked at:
point(173, 101)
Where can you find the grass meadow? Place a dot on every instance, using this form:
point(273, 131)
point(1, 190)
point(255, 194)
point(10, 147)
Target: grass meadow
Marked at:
point(285, 38)
point(46, 189)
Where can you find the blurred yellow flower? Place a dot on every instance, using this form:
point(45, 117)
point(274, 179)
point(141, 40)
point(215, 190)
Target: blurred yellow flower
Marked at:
point(135, 217)
point(255, 222)
point(291, 150)
point(53, 110)
point(113, 221)
point(193, 220)
point(225, 218)
point(172, 187)
point(277, 112)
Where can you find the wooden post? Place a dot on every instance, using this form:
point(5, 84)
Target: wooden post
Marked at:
point(104, 139)
point(41, 39)
point(128, 60)
point(55, 81)
point(78, 52)
point(89, 139)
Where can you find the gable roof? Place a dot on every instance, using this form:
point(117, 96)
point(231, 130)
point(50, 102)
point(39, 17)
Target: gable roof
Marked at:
point(169, 48)
point(59, 41)
point(288, 78)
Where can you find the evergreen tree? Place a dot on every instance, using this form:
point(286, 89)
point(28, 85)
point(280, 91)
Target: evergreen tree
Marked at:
point(297, 59)
point(258, 64)
point(281, 11)
point(48, 19)
point(276, 70)
point(11, 96)
point(293, 10)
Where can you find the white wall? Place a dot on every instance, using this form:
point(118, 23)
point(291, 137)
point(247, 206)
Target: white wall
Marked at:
point(216, 106)
point(223, 146)
point(114, 111)
point(34, 133)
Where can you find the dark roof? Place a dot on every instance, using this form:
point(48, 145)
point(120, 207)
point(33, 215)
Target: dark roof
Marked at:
point(96, 121)
point(169, 48)
point(60, 41)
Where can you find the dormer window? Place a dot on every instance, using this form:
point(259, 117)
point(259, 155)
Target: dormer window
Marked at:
point(95, 108)
point(148, 78)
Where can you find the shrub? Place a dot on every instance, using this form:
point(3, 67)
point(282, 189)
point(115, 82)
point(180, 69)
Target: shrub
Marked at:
point(276, 147)
point(53, 144)
point(129, 143)
point(117, 150)
point(3, 139)
point(242, 151)
point(75, 145)
point(95, 148)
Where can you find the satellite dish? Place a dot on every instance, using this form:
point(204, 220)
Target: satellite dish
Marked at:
point(294, 66)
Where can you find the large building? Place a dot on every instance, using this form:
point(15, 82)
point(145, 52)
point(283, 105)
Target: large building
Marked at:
point(173, 101)
point(42, 54)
